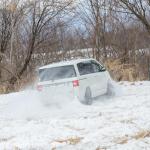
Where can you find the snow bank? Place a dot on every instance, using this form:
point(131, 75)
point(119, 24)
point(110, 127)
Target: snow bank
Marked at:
point(112, 122)
point(27, 104)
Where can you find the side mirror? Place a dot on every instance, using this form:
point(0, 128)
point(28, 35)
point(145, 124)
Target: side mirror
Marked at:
point(103, 69)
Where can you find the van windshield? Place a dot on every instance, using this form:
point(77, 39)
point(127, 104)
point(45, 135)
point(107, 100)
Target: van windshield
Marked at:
point(57, 73)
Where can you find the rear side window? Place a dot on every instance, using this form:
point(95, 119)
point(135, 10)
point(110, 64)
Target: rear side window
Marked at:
point(57, 73)
point(85, 68)
point(96, 67)
point(90, 67)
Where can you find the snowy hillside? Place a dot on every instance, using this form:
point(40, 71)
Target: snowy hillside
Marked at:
point(120, 122)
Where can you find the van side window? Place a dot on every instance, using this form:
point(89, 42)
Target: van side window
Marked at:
point(85, 68)
point(97, 67)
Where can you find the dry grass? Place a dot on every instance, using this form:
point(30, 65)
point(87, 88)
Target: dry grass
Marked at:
point(5, 87)
point(127, 72)
point(122, 140)
point(73, 128)
point(142, 134)
point(70, 141)
point(16, 148)
point(101, 148)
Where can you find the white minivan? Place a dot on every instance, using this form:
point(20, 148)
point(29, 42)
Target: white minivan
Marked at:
point(82, 78)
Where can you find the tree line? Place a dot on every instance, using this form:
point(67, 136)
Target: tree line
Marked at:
point(38, 32)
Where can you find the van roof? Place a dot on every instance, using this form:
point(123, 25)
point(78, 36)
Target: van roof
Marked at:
point(64, 63)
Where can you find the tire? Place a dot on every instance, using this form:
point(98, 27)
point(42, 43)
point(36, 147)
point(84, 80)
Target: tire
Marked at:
point(88, 96)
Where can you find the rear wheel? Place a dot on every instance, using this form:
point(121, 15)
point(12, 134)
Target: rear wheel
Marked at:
point(88, 96)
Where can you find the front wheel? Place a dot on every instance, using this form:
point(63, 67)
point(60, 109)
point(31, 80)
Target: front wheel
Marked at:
point(88, 96)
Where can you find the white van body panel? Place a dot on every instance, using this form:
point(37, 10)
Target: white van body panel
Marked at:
point(97, 82)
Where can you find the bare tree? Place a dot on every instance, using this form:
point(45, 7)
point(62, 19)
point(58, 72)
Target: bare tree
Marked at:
point(39, 14)
point(5, 32)
point(94, 15)
point(141, 10)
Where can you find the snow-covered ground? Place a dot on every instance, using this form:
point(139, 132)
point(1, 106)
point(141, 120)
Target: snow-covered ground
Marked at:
point(120, 122)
